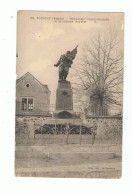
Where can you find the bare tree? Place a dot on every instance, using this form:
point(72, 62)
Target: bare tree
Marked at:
point(100, 70)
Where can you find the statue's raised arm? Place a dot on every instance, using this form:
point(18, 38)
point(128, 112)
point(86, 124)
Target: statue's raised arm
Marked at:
point(65, 63)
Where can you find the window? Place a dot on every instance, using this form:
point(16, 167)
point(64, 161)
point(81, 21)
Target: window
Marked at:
point(27, 103)
point(30, 104)
point(28, 85)
point(24, 103)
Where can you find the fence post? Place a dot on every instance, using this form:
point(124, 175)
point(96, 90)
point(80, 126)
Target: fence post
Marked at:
point(31, 130)
point(41, 132)
point(67, 133)
point(54, 132)
point(80, 134)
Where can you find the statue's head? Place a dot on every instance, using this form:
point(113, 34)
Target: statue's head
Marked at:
point(67, 52)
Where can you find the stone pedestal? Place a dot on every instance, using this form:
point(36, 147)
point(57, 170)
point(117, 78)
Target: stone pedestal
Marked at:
point(64, 97)
point(64, 100)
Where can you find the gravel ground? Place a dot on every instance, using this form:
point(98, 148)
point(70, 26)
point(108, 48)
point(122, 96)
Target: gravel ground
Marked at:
point(86, 161)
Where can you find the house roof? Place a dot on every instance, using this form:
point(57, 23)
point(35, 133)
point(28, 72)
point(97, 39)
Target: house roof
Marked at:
point(26, 74)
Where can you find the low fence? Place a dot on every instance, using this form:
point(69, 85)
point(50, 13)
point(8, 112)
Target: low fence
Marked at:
point(62, 139)
point(48, 110)
point(95, 110)
point(109, 129)
point(53, 134)
point(42, 109)
point(40, 139)
point(62, 129)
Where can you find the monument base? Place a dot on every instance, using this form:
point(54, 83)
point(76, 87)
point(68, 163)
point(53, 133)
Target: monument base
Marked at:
point(64, 101)
point(65, 114)
point(64, 96)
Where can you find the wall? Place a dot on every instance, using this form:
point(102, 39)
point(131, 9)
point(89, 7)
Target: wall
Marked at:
point(107, 127)
point(109, 130)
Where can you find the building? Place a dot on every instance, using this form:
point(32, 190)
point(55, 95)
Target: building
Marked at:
point(32, 97)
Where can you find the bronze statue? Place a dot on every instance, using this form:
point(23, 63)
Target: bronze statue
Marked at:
point(65, 63)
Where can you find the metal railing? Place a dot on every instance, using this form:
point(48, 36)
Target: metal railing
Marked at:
point(43, 109)
point(103, 111)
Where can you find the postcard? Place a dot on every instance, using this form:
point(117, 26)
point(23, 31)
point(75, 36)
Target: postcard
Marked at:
point(69, 94)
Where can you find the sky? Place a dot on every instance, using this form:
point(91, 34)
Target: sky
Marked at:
point(42, 37)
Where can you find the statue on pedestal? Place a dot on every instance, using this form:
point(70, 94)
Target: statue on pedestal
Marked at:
point(65, 63)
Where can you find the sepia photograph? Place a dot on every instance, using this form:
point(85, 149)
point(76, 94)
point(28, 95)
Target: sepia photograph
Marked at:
point(69, 94)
